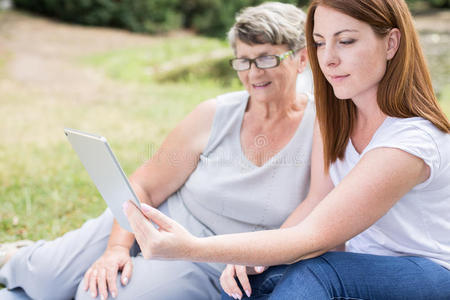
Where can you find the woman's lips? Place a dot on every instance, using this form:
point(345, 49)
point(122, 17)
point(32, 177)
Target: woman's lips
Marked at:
point(261, 85)
point(338, 78)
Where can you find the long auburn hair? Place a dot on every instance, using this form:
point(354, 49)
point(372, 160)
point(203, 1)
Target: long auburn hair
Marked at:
point(405, 90)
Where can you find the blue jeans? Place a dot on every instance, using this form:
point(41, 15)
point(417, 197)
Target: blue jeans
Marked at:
point(345, 275)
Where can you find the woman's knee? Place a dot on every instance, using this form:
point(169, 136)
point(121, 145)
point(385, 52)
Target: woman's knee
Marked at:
point(308, 279)
point(161, 280)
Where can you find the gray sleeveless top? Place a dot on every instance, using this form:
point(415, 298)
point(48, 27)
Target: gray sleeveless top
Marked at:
point(227, 193)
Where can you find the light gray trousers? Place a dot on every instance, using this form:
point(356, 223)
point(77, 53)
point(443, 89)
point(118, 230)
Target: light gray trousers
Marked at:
point(55, 269)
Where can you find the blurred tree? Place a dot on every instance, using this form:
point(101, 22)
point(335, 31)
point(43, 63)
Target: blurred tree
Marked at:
point(136, 15)
point(432, 3)
point(215, 17)
point(209, 17)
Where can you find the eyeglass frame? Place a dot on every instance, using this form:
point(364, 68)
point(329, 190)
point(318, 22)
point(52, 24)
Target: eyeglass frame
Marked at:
point(279, 58)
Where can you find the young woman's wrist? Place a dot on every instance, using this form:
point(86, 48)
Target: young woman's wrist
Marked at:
point(196, 249)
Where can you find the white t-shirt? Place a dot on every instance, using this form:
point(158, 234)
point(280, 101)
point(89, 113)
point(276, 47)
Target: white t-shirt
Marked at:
point(419, 223)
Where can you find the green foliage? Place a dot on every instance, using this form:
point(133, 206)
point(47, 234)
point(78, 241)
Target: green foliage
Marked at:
point(148, 16)
point(210, 17)
point(215, 17)
point(144, 64)
point(142, 16)
point(431, 3)
point(214, 71)
point(440, 3)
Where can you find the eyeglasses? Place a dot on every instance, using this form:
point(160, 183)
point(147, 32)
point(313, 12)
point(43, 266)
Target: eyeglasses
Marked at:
point(262, 62)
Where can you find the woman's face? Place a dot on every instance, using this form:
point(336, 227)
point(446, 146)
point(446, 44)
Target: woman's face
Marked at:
point(272, 84)
point(351, 56)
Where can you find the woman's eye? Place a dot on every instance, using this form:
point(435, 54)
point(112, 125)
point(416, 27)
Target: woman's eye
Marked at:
point(347, 42)
point(319, 44)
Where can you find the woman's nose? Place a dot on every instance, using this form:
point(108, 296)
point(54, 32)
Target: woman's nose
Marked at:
point(254, 70)
point(331, 57)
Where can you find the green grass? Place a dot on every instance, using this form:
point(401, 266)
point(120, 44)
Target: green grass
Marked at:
point(44, 190)
point(140, 64)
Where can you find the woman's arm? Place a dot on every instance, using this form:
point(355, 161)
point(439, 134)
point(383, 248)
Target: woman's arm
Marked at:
point(171, 165)
point(153, 182)
point(320, 186)
point(376, 183)
point(177, 157)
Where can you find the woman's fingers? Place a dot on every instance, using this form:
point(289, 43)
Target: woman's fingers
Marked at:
point(101, 282)
point(157, 217)
point(170, 241)
point(229, 284)
point(142, 227)
point(111, 275)
point(135, 215)
point(241, 272)
point(126, 272)
point(86, 279)
point(93, 283)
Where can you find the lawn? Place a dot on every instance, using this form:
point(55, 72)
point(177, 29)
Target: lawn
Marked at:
point(44, 190)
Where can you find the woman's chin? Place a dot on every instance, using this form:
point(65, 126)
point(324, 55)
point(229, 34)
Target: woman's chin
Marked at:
point(341, 95)
point(260, 97)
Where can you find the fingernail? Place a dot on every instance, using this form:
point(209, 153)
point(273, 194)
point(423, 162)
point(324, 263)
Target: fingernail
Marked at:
point(125, 280)
point(259, 269)
point(234, 296)
point(145, 208)
point(92, 294)
point(102, 298)
point(113, 294)
point(247, 292)
point(125, 206)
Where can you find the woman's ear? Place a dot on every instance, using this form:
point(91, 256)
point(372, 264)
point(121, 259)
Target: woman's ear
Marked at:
point(393, 42)
point(302, 57)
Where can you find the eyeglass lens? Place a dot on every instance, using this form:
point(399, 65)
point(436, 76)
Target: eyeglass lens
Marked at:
point(262, 62)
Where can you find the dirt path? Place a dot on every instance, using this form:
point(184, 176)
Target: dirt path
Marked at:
point(41, 56)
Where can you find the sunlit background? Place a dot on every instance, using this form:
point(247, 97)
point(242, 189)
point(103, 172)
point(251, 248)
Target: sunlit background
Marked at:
point(131, 87)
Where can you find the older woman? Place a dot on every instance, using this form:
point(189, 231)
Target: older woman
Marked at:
point(379, 177)
point(233, 157)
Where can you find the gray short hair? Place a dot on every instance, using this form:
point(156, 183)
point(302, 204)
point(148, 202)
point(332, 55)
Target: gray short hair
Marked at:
point(271, 22)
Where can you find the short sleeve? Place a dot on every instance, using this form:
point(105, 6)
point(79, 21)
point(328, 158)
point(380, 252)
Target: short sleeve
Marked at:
point(412, 135)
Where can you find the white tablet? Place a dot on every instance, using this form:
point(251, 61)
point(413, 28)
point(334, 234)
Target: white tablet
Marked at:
point(105, 171)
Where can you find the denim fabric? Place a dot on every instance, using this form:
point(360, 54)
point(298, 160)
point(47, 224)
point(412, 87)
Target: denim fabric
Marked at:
point(345, 275)
point(262, 285)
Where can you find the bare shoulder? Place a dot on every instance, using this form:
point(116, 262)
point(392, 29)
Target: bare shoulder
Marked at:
point(201, 118)
point(205, 111)
point(194, 130)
